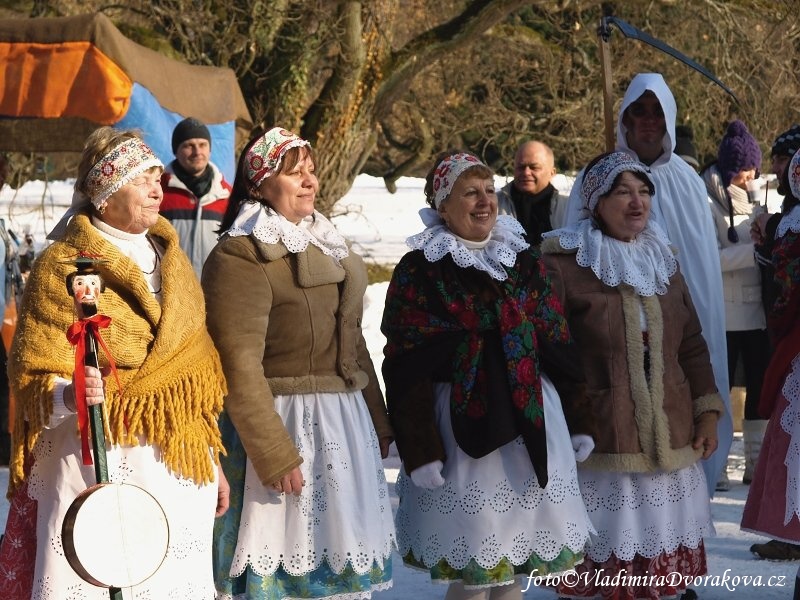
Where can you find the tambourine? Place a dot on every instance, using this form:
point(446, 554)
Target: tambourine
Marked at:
point(115, 535)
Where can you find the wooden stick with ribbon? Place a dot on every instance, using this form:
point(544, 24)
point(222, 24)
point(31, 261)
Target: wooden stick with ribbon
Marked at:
point(84, 334)
point(102, 536)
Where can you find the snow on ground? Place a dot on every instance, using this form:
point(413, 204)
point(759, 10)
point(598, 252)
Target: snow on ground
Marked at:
point(378, 223)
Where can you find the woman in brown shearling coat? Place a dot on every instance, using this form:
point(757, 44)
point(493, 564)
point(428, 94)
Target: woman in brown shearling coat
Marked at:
point(305, 424)
point(650, 388)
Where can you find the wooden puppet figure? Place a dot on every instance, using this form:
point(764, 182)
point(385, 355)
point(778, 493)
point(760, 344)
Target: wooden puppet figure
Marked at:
point(85, 286)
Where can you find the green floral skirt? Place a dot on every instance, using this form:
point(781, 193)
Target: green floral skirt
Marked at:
point(320, 583)
point(473, 575)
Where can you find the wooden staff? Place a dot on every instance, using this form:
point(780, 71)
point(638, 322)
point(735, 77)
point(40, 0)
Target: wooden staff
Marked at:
point(603, 35)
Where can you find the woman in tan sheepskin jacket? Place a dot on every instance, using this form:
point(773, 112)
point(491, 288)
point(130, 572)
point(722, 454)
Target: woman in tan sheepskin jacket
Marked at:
point(650, 387)
point(305, 424)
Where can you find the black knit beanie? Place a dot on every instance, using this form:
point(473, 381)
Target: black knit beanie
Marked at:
point(188, 129)
point(787, 143)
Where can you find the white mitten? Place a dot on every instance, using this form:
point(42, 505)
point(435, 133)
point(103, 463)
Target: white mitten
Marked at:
point(583, 446)
point(428, 476)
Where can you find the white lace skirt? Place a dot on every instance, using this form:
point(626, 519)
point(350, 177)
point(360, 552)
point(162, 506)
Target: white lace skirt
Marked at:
point(58, 476)
point(646, 513)
point(492, 507)
point(343, 514)
point(790, 423)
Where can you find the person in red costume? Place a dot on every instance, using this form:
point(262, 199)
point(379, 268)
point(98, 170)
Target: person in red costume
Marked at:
point(773, 503)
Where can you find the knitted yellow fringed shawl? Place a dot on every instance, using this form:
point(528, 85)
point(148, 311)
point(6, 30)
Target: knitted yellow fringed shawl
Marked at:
point(170, 373)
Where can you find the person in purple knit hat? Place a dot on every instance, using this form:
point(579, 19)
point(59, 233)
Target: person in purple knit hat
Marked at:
point(739, 162)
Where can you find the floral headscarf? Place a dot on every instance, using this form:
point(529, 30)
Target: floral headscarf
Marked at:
point(121, 165)
point(264, 157)
point(598, 180)
point(117, 168)
point(448, 171)
point(794, 174)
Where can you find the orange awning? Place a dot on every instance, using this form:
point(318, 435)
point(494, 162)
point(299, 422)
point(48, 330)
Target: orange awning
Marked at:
point(69, 79)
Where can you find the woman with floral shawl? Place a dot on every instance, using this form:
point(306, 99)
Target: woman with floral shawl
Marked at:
point(476, 347)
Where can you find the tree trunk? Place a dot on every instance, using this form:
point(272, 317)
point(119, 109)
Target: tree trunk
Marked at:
point(369, 77)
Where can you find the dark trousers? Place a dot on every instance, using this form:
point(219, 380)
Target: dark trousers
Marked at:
point(5, 436)
point(754, 349)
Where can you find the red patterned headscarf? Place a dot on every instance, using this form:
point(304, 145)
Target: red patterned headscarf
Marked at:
point(448, 171)
point(264, 157)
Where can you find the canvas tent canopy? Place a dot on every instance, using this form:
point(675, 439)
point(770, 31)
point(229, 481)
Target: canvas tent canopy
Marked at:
point(61, 78)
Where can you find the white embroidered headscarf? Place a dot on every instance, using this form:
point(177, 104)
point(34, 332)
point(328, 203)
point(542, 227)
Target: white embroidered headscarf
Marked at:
point(118, 167)
point(448, 171)
point(264, 156)
point(645, 264)
point(791, 220)
point(491, 255)
point(263, 160)
point(598, 180)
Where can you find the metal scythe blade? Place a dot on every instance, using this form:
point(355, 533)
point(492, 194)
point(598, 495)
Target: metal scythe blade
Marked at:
point(629, 31)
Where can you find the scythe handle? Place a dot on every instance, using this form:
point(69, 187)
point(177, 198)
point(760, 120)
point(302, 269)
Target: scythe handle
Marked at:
point(603, 34)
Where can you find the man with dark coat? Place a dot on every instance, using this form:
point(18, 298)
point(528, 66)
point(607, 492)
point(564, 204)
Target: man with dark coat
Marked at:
point(531, 198)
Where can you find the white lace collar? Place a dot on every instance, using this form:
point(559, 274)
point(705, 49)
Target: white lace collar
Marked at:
point(645, 264)
point(500, 249)
point(790, 220)
point(269, 227)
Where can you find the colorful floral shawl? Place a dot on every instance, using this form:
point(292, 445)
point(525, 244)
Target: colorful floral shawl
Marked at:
point(440, 318)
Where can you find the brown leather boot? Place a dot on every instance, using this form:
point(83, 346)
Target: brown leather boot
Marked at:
point(775, 550)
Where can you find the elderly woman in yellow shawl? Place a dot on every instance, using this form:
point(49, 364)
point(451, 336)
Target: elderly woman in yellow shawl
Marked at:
point(161, 408)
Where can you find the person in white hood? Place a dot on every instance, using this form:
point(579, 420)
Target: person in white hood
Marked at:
point(646, 130)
